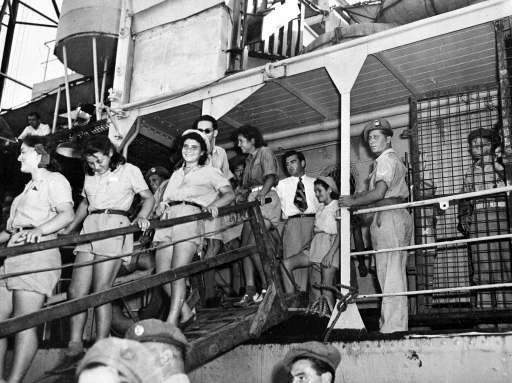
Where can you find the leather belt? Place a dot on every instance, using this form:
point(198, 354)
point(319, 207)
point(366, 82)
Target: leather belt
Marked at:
point(487, 204)
point(110, 211)
point(174, 203)
point(301, 215)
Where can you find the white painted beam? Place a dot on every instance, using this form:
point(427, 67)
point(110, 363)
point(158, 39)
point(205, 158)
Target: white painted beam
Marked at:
point(343, 70)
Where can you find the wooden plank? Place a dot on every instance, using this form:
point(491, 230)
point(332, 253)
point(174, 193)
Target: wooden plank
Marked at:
point(74, 306)
point(57, 298)
point(215, 344)
point(264, 310)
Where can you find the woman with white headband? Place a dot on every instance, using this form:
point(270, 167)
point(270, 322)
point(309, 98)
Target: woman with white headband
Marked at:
point(192, 188)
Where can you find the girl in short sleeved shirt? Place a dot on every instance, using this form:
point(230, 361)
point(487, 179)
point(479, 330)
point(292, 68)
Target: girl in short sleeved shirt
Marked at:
point(109, 187)
point(258, 181)
point(323, 254)
point(192, 188)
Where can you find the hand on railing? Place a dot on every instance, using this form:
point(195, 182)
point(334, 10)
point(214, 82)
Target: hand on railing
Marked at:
point(346, 201)
point(142, 222)
point(26, 236)
point(213, 210)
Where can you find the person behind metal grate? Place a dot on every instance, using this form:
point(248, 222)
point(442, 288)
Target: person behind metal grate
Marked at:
point(490, 261)
point(390, 228)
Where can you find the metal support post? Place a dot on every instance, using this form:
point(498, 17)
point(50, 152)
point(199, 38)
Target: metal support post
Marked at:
point(103, 82)
point(343, 70)
point(66, 84)
point(9, 35)
point(56, 111)
point(95, 70)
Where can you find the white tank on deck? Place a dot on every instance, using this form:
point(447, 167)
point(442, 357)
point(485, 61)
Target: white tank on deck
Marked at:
point(80, 21)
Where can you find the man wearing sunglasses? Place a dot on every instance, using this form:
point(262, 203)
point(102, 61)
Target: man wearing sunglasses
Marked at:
point(218, 159)
point(217, 156)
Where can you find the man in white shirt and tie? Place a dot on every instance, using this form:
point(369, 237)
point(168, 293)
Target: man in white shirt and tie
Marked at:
point(298, 206)
point(34, 127)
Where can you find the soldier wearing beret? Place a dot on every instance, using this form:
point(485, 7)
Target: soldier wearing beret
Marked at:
point(390, 228)
point(490, 261)
point(312, 362)
point(157, 178)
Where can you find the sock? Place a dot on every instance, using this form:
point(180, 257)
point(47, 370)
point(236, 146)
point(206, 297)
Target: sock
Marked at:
point(250, 290)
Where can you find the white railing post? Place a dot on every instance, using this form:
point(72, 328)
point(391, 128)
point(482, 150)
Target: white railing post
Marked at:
point(343, 70)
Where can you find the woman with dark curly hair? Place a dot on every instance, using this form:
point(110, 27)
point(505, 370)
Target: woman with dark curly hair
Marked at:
point(109, 187)
point(192, 188)
point(259, 181)
point(44, 207)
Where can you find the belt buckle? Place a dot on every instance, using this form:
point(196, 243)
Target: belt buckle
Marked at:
point(107, 211)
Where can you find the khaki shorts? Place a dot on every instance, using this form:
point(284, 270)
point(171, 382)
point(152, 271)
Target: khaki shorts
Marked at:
point(184, 231)
point(42, 283)
point(110, 246)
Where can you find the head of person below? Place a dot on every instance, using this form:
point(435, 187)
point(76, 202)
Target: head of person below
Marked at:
point(152, 351)
point(312, 362)
point(155, 176)
point(377, 134)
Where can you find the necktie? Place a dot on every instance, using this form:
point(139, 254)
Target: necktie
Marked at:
point(300, 196)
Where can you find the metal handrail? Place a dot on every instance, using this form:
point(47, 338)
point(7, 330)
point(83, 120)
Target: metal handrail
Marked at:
point(444, 202)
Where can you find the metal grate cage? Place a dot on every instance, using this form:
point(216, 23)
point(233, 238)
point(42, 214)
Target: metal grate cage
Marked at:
point(456, 146)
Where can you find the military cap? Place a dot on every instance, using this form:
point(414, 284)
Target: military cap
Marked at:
point(315, 350)
point(329, 181)
point(490, 134)
point(158, 170)
point(377, 124)
point(154, 330)
point(129, 358)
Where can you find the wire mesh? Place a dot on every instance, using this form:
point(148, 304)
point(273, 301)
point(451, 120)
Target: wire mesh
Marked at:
point(457, 139)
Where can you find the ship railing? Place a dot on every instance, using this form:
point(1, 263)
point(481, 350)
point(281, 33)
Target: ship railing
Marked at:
point(444, 203)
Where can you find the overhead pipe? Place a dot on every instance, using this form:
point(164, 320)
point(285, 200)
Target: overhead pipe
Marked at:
point(398, 117)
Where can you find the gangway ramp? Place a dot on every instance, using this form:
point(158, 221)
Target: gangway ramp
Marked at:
point(215, 331)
